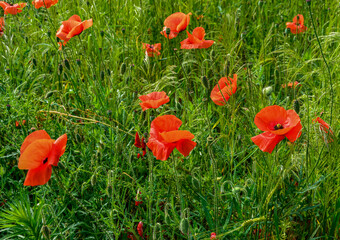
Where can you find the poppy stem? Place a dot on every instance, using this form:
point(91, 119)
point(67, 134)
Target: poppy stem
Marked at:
point(324, 59)
point(214, 163)
point(150, 191)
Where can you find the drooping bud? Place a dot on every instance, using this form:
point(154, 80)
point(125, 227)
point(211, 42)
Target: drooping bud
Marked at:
point(102, 33)
point(60, 68)
point(184, 225)
point(67, 64)
point(123, 30)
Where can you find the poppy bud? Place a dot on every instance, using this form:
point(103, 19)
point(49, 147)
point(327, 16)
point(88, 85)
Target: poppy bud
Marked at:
point(296, 106)
point(123, 30)
point(102, 33)
point(8, 70)
point(93, 179)
point(8, 107)
point(286, 31)
point(100, 50)
point(67, 64)
point(109, 113)
point(267, 90)
point(195, 183)
point(78, 62)
point(102, 75)
point(184, 226)
point(49, 94)
point(138, 155)
point(205, 82)
point(122, 68)
point(49, 33)
point(308, 2)
point(60, 68)
point(108, 72)
point(167, 31)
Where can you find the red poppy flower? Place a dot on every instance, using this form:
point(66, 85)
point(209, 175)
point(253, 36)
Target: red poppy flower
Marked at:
point(297, 25)
point(72, 27)
point(213, 236)
point(176, 22)
point(291, 85)
point(165, 137)
point(277, 123)
point(324, 127)
point(137, 143)
point(196, 40)
point(153, 100)
point(19, 125)
point(223, 90)
point(38, 154)
point(140, 228)
point(44, 3)
point(12, 9)
point(138, 199)
point(2, 25)
point(152, 49)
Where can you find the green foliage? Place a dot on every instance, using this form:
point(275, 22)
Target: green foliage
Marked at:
point(90, 90)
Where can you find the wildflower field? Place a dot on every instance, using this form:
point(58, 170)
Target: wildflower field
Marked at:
point(169, 119)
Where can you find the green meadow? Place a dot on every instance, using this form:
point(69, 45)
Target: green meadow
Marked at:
point(90, 88)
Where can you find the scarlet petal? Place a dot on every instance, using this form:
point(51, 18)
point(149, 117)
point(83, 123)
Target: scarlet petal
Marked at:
point(40, 134)
point(160, 149)
point(268, 117)
point(199, 33)
point(38, 176)
point(185, 146)
point(174, 20)
point(166, 123)
point(176, 135)
point(153, 100)
point(267, 141)
point(206, 44)
point(35, 154)
point(58, 150)
point(137, 143)
point(184, 23)
point(295, 133)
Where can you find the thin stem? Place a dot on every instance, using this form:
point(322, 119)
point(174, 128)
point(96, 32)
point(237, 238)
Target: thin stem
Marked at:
point(329, 72)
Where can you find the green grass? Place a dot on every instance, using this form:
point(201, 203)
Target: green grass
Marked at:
point(227, 185)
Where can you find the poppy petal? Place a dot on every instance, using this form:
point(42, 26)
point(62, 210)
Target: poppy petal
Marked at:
point(267, 141)
point(185, 146)
point(40, 134)
point(199, 33)
point(35, 154)
point(174, 20)
point(159, 149)
point(269, 116)
point(166, 123)
point(176, 135)
point(206, 44)
point(184, 23)
point(58, 150)
point(38, 176)
point(295, 133)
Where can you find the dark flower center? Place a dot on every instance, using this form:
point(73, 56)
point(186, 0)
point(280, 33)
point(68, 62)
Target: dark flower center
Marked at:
point(45, 161)
point(278, 126)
